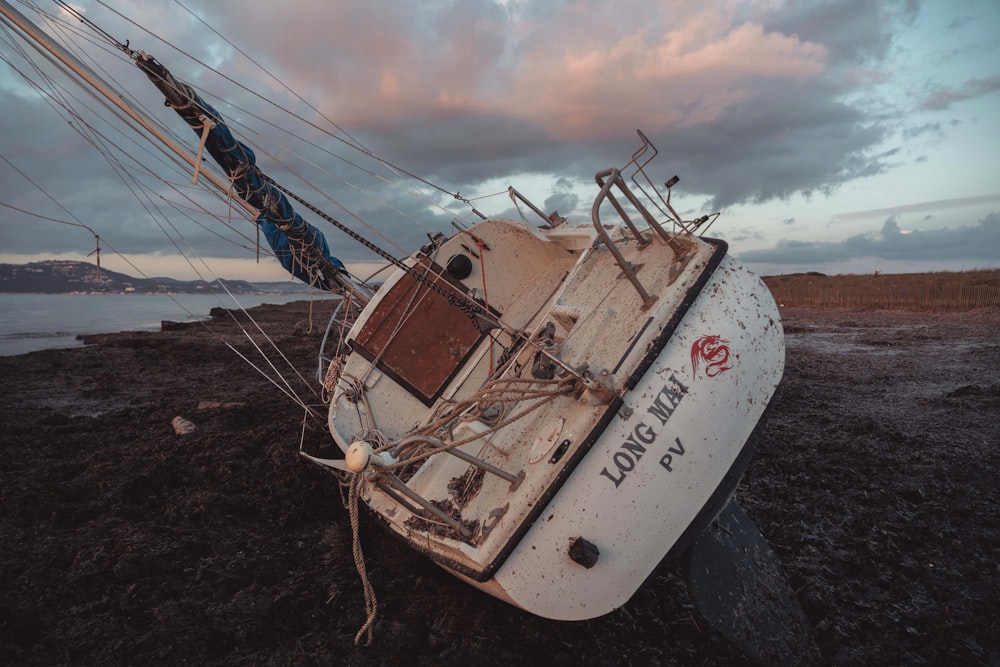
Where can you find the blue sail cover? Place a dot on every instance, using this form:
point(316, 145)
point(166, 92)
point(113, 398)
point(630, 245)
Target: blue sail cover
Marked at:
point(299, 246)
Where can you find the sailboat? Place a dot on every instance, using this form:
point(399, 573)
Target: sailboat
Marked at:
point(548, 411)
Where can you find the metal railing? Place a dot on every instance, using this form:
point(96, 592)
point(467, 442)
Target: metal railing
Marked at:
point(667, 210)
point(552, 220)
point(610, 180)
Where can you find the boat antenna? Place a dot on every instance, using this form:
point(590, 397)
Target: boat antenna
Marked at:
point(97, 239)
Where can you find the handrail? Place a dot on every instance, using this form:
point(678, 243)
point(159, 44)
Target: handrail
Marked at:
point(643, 211)
point(608, 180)
point(595, 213)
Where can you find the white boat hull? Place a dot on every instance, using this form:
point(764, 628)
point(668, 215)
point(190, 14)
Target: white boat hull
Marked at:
point(666, 469)
point(562, 503)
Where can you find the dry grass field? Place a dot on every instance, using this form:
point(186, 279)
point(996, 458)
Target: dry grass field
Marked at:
point(938, 291)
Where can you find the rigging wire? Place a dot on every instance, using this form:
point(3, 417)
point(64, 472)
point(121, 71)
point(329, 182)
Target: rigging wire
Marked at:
point(93, 26)
point(473, 309)
point(77, 223)
point(353, 143)
point(59, 100)
point(97, 238)
point(71, 34)
point(290, 391)
point(284, 386)
point(273, 78)
point(323, 192)
point(180, 140)
point(82, 126)
point(72, 110)
point(97, 139)
point(67, 105)
point(62, 28)
point(349, 143)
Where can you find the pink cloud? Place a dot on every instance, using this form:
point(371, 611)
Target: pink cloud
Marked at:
point(581, 70)
point(686, 76)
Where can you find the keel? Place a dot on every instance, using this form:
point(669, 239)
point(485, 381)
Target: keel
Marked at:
point(737, 583)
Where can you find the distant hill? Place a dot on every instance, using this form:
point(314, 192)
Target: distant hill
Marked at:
point(59, 276)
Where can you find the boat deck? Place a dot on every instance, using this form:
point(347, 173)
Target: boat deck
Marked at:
point(496, 398)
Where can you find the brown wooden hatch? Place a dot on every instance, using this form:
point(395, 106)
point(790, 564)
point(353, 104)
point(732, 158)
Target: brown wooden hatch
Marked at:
point(417, 337)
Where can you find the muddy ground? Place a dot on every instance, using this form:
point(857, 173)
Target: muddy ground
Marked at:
point(876, 481)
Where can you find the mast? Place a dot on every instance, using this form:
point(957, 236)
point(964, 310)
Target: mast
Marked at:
point(41, 39)
point(300, 247)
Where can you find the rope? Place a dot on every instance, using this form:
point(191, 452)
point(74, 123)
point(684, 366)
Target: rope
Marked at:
point(489, 395)
point(206, 127)
point(371, 604)
point(424, 451)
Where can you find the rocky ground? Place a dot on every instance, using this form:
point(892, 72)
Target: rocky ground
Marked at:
point(876, 482)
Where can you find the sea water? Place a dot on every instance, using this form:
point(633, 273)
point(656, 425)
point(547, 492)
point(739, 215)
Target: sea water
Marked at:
point(30, 322)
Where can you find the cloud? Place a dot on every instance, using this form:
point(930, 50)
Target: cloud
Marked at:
point(978, 242)
point(674, 77)
point(934, 205)
point(944, 97)
point(854, 31)
point(747, 102)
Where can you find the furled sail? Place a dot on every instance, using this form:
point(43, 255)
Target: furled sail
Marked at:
point(300, 247)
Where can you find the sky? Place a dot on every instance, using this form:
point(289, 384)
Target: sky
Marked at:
point(839, 136)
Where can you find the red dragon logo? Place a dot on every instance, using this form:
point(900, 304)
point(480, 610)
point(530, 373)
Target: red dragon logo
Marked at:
point(712, 350)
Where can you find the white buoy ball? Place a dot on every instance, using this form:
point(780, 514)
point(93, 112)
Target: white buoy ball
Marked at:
point(357, 456)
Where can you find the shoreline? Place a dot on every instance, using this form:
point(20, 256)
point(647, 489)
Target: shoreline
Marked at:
point(61, 324)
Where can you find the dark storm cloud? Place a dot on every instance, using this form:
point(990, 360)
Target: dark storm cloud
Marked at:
point(779, 144)
point(936, 205)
